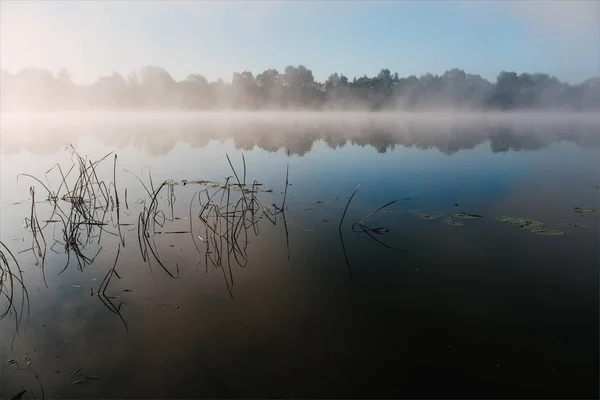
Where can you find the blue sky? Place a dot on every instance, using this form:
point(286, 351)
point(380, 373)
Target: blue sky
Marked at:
point(91, 39)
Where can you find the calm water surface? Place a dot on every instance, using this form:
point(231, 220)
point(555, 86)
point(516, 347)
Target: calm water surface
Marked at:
point(470, 308)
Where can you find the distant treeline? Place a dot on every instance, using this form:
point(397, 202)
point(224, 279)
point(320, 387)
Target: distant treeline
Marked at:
point(36, 89)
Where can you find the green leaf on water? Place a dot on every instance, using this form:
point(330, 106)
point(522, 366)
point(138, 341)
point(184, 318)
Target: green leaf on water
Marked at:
point(582, 210)
point(548, 232)
point(429, 217)
point(530, 225)
point(467, 215)
point(506, 220)
point(417, 213)
point(380, 231)
point(453, 222)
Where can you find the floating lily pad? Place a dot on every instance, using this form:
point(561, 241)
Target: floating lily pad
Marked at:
point(417, 213)
point(429, 216)
point(530, 225)
point(506, 220)
point(582, 210)
point(467, 216)
point(380, 231)
point(548, 232)
point(453, 222)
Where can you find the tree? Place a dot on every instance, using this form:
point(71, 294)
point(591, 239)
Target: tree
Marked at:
point(195, 92)
point(153, 87)
point(244, 89)
point(505, 90)
point(156, 86)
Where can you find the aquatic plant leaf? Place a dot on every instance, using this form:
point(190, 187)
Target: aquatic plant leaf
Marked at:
point(530, 225)
point(506, 220)
point(417, 213)
point(380, 231)
point(453, 222)
point(548, 232)
point(467, 215)
point(582, 210)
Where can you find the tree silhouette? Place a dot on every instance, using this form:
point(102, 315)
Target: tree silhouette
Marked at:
point(152, 87)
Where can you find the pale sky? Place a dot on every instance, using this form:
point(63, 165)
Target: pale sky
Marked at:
point(95, 38)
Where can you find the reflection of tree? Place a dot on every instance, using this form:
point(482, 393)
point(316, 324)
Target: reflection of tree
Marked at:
point(155, 141)
point(335, 140)
point(503, 139)
point(159, 138)
point(244, 142)
point(300, 143)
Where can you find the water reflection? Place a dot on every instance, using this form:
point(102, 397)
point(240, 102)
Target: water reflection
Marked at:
point(474, 309)
point(158, 136)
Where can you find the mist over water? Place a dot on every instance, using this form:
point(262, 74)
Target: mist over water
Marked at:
point(157, 133)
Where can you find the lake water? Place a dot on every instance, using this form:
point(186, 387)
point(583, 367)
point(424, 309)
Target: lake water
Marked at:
point(439, 294)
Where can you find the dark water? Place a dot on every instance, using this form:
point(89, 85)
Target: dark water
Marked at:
point(481, 310)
